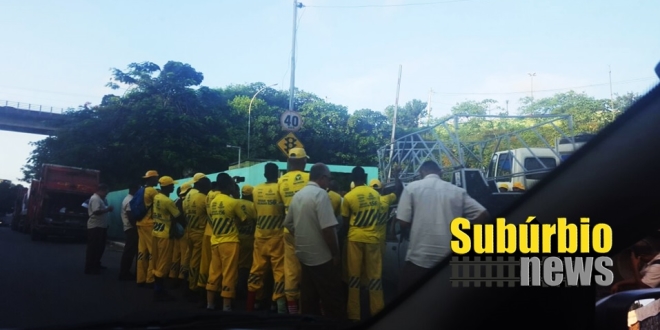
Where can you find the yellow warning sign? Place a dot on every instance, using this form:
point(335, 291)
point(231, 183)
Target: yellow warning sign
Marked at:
point(289, 142)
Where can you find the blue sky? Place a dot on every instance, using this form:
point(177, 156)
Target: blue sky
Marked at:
point(58, 53)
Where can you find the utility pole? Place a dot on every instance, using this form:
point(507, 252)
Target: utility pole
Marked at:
point(611, 95)
point(507, 107)
point(296, 5)
point(396, 109)
point(428, 108)
point(531, 77)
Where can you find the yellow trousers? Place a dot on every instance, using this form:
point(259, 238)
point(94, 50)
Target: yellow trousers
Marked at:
point(194, 239)
point(205, 263)
point(145, 262)
point(291, 269)
point(162, 256)
point(223, 273)
point(268, 254)
point(180, 257)
point(246, 247)
point(367, 257)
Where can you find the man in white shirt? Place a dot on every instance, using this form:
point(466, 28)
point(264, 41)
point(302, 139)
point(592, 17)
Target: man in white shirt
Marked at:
point(312, 221)
point(428, 206)
point(130, 248)
point(97, 227)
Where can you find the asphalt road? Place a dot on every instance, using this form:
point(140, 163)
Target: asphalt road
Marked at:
point(43, 284)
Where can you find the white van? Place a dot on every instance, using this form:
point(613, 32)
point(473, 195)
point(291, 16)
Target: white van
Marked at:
point(523, 166)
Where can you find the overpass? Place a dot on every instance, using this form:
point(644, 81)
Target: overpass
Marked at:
point(29, 118)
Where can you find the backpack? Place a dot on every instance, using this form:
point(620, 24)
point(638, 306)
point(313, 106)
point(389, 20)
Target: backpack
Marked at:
point(138, 209)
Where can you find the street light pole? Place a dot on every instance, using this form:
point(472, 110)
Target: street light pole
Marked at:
point(531, 78)
point(292, 84)
point(250, 117)
point(239, 153)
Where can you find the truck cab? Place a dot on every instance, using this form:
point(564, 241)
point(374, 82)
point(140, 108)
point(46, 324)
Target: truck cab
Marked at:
point(522, 166)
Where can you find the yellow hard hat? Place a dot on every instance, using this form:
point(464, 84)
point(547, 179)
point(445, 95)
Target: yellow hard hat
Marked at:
point(503, 185)
point(247, 190)
point(519, 186)
point(184, 188)
point(375, 183)
point(166, 181)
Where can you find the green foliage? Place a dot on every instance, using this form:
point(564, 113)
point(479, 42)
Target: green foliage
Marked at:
point(167, 121)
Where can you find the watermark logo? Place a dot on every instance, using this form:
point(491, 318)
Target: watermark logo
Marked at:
point(557, 243)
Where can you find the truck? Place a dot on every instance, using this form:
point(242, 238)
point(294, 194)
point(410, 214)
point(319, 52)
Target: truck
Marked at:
point(20, 208)
point(515, 150)
point(55, 201)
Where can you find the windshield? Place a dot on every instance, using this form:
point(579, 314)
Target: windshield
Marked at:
point(221, 111)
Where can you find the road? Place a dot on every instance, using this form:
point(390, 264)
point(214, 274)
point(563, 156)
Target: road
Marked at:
point(49, 288)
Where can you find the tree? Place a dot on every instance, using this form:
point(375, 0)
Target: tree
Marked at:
point(408, 117)
point(168, 121)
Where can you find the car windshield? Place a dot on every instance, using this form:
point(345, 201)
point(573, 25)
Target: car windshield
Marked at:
point(160, 157)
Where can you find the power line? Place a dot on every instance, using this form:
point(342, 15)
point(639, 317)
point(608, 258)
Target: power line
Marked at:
point(555, 89)
point(395, 5)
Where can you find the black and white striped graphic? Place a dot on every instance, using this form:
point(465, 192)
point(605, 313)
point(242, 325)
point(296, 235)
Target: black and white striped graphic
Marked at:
point(485, 271)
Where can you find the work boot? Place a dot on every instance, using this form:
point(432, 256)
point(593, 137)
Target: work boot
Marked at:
point(251, 301)
point(281, 306)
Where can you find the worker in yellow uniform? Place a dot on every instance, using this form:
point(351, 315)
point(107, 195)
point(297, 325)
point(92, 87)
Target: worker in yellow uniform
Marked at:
point(386, 200)
point(145, 265)
point(226, 215)
point(246, 238)
point(194, 207)
point(361, 211)
point(164, 213)
point(335, 198)
point(290, 183)
point(268, 241)
point(180, 251)
point(205, 263)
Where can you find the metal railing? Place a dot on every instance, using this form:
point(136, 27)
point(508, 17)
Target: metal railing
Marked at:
point(33, 107)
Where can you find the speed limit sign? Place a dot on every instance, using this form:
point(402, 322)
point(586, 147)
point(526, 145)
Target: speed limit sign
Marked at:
point(291, 121)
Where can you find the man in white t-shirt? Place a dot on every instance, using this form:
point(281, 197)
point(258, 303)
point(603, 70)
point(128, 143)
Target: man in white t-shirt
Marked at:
point(312, 222)
point(97, 228)
point(130, 248)
point(428, 206)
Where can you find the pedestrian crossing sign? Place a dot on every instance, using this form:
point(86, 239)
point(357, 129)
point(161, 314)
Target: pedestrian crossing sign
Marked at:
point(289, 142)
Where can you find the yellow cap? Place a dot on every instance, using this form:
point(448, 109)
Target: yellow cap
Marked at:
point(166, 181)
point(185, 187)
point(375, 183)
point(150, 174)
point(352, 184)
point(247, 190)
point(297, 153)
point(198, 176)
point(518, 185)
point(503, 185)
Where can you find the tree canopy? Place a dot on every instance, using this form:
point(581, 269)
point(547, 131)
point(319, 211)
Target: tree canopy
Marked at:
point(168, 121)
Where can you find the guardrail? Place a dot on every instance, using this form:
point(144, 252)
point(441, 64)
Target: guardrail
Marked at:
point(33, 107)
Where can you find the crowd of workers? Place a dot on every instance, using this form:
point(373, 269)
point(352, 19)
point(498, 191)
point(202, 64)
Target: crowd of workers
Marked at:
point(293, 235)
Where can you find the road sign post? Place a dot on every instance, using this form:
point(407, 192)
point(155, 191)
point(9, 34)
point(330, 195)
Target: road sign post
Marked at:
point(291, 121)
point(289, 142)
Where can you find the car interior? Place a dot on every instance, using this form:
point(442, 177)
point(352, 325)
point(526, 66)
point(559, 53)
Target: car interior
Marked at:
point(608, 180)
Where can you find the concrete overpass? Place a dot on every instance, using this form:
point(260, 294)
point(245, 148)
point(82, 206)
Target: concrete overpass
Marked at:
point(29, 118)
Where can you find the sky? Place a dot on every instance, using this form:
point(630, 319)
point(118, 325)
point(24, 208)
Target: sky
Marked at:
point(59, 53)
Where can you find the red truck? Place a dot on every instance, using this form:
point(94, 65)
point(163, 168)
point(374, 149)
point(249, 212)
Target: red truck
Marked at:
point(55, 201)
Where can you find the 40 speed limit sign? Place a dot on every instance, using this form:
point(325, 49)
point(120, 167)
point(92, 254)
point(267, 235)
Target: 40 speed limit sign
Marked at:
point(291, 121)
